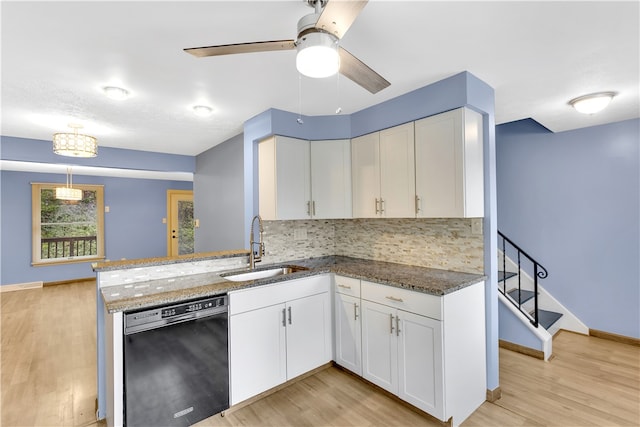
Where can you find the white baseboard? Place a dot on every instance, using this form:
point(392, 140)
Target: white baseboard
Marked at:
point(21, 286)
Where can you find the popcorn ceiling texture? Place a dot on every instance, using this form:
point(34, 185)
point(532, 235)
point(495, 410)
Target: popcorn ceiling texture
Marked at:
point(445, 243)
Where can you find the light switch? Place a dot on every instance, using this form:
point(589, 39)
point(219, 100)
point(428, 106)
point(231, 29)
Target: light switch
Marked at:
point(106, 208)
point(164, 220)
point(476, 226)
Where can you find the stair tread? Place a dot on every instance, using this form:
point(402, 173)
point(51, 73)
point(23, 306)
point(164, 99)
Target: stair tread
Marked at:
point(547, 318)
point(524, 295)
point(504, 275)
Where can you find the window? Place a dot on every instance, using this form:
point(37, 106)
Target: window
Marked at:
point(67, 231)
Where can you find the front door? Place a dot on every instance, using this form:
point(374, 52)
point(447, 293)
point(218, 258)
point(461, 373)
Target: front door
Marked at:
point(180, 222)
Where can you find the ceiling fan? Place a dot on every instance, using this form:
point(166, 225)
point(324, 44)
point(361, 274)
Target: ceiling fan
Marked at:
point(317, 40)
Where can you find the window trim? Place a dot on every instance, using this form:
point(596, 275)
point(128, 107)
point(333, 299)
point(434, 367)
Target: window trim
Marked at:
point(36, 237)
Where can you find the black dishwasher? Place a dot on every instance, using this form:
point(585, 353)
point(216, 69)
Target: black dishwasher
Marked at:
point(176, 363)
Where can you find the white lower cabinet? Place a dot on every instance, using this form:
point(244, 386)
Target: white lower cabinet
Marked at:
point(348, 334)
point(428, 350)
point(277, 332)
point(403, 354)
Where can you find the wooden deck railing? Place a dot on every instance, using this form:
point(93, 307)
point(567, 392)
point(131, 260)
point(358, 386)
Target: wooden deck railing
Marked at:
point(65, 247)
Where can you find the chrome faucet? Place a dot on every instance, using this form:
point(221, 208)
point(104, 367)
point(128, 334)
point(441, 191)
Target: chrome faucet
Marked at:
point(257, 255)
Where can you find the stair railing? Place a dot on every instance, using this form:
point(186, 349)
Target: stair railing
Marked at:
point(539, 272)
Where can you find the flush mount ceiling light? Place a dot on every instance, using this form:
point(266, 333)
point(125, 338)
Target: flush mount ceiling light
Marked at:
point(317, 55)
point(68, 192)
point(592, 103)
point(75, 144)
point(202, 110)
point(115, 92)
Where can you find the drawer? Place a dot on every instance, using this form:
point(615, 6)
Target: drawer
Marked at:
point(403, 299)
point(347, 286)
point(257, 297)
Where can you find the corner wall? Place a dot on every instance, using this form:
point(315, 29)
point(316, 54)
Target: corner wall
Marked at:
point(572, 200)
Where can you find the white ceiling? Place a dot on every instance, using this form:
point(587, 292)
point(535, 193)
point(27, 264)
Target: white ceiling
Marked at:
point(537, 55)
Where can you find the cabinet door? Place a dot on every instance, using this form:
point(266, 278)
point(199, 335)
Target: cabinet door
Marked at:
point(348, 334)
point(439, 165)
point(449, 165)
point(379, 346)
point(258, 358)
point(331, 179)
point(293, 178)
point(308, 334)
point(365, 173)
point(397, 172)
point(284, 178)
point(420, 367)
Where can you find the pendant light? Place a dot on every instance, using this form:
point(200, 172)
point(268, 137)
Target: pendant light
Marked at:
point(75, 144)
point(68, 192)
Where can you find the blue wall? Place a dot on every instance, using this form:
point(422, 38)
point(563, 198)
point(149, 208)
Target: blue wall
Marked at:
point(218, 187)
point(133, 227)
point(572, 200)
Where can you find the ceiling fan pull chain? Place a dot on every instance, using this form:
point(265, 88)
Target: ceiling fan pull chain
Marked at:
point(299, 120)
point(339, 109)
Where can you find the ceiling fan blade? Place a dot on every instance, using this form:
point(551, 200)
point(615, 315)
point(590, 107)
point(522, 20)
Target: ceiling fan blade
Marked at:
point(229, 49)
point(338, 15)
point(357, 71)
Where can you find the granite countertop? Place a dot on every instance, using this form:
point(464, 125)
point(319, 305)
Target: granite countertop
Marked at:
point(150, 262)
point(433, 281)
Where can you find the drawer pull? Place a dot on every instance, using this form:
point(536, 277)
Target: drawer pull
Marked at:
point(344, 286)
point(394, 299)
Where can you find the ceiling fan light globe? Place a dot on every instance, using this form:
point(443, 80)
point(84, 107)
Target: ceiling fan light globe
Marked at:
point(317, 55)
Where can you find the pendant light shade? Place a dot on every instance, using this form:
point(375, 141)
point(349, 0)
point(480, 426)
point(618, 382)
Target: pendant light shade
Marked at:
point(75, 144)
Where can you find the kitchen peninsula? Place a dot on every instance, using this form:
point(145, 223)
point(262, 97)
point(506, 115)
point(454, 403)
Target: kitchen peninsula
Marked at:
point(434, 323)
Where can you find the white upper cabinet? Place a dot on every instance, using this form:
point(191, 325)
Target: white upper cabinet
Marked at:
point(365, 173)
point(331, 179)
point(383, 173)
point(449, 165)
point(300, 179)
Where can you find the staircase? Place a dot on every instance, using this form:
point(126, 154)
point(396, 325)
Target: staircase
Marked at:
point(528, 315)
point(518, 282)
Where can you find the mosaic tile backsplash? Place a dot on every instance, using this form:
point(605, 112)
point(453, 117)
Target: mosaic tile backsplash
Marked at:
point(445, 243)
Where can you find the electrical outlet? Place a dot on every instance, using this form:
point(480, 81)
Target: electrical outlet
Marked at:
point(476, 226)
point(300, 234)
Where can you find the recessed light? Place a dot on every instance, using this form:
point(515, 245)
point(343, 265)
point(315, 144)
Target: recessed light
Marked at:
point(115, 92)
point(202, 110)
point(592, 103)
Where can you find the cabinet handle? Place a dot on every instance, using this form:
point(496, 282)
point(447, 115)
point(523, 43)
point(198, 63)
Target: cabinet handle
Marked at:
point(377, 209)
point(289, 314)
point(355, 311)
point(391, 323)
point(381, 205)
point(392, 298)
point(313, 207)
point(284, 318)
point(344, 286)
point(397, 326)
point(418, 208)
point(309, 208)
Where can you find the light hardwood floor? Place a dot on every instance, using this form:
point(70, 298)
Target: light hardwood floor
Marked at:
point(48, 379)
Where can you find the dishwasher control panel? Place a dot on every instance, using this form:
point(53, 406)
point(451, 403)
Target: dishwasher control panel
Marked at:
point(192, 307)
point(136, 321)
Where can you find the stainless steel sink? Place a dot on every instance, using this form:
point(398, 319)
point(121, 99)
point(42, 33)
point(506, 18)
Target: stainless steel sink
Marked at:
point(262, 274)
